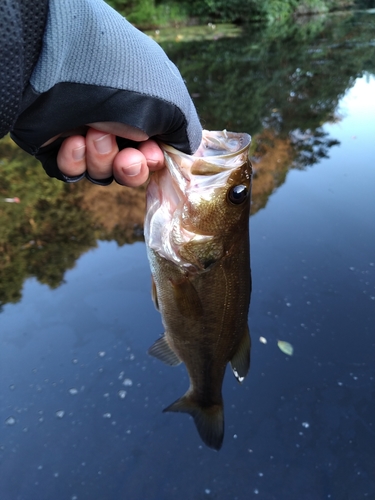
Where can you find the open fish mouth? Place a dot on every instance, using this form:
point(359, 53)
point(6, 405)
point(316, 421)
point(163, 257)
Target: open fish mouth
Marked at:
point(187, 179)
point(219, 152)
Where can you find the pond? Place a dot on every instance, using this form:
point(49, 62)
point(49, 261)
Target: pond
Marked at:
point(81, 401)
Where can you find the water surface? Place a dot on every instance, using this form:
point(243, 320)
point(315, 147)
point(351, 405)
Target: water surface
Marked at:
point(80, 400)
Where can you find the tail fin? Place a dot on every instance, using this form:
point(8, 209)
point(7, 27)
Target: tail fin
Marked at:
point(209, 420)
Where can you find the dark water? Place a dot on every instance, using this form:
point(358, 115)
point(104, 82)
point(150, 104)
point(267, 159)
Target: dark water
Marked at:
point(80, 400)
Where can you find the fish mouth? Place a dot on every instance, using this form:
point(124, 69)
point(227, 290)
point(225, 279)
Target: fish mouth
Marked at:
point(165, 197)
point(188, 177)
point(219, 153)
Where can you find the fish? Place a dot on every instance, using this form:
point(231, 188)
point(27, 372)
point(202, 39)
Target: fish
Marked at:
point(197, 237)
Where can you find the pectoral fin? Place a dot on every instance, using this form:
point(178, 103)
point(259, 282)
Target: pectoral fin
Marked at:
point(209, 420)
point(154, 293)
point(187, 299)
point(240, 362)
point(161, 350)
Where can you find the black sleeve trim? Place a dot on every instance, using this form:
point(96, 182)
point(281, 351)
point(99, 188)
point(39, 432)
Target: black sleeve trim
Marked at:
point(70, 105)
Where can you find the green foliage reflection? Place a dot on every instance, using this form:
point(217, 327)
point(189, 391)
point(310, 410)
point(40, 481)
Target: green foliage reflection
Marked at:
point(287, 76)
point(45, 233)
point(280, 84)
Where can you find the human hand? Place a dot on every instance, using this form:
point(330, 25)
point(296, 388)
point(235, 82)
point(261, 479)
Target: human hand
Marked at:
point(98, 154)
point(98, 73)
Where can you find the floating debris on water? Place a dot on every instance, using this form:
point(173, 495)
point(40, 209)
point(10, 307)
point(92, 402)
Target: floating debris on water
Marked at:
point(263, 340)
point(73, 391)
point(11, 200)
point(128, 382)
point(101, 354)
point(10, 421)
point(306, 425)
point(60, 414)
point(122, 394)
point(285, 347)
point(107, 415)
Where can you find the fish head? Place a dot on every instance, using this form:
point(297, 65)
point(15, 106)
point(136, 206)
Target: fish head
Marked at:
point(198, 205)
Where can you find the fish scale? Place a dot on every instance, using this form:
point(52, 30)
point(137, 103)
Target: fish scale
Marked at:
point(200, 264)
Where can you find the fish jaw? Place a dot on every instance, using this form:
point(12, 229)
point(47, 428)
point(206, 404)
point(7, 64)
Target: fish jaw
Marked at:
point(163, 230)
point(177, 195)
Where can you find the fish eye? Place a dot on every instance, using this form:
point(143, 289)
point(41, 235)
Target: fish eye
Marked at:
point(238, 194)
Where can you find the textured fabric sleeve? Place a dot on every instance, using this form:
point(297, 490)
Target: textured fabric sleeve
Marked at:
point(95, 66)
point(21, 31)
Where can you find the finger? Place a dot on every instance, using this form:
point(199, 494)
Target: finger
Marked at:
point(130, 167)
point(71, 158)
point(101, 150)
point(121, 130)
point(153, 154)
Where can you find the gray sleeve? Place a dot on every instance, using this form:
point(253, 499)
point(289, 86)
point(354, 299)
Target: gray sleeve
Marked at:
point(22, 25)
point(95, 66)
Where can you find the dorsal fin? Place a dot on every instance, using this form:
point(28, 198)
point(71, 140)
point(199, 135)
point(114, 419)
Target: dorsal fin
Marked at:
point(162, 350)
point(240, 362)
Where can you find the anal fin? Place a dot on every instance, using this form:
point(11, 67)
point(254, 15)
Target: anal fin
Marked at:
point(162, 350)
point(240, 362)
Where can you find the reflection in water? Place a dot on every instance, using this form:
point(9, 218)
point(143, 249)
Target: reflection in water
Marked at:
point(280, 84)
point(300, 426)
point(197, 237)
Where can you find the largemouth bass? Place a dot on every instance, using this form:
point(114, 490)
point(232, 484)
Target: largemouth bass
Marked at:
point(197, 237)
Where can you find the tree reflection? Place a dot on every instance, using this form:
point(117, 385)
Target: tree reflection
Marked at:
point(279, 83)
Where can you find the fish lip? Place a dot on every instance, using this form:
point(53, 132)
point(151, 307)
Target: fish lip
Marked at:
point(190, 168)
point(207, 139)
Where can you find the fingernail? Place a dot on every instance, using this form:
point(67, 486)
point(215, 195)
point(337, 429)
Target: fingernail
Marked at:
point(79, 153)
point(152, 163)
point(103, 145)
point(132, 170)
